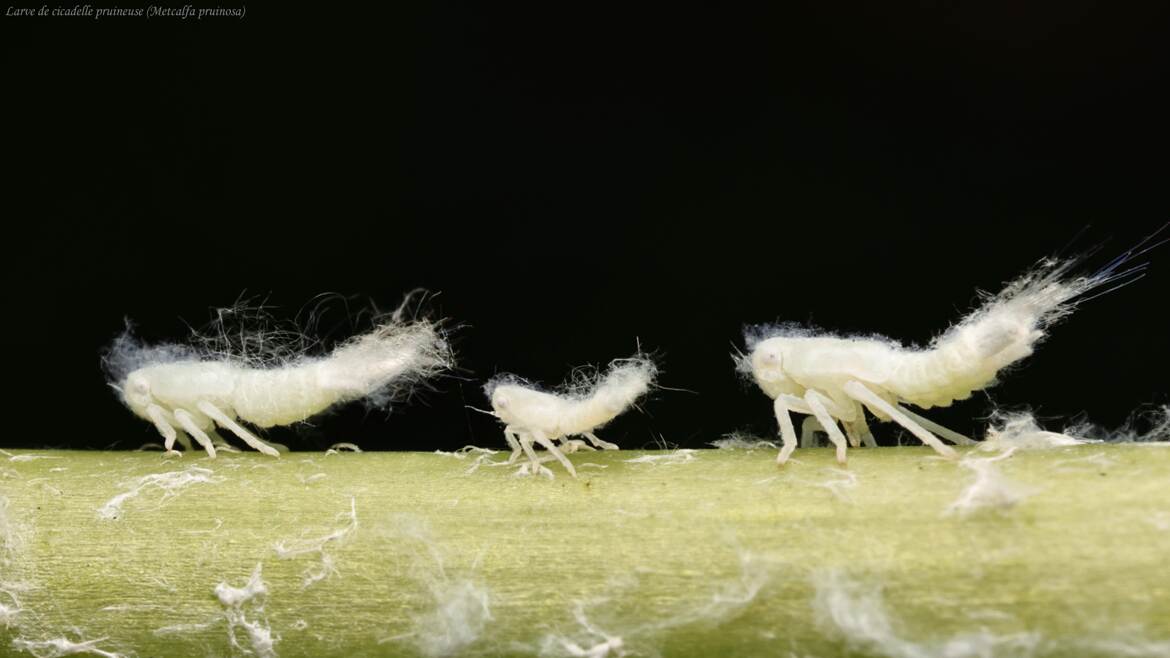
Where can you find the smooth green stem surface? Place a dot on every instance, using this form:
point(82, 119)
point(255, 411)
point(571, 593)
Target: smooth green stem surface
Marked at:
point(710, 553)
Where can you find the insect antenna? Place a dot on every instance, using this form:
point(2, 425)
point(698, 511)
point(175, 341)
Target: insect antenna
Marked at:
point(482, 411)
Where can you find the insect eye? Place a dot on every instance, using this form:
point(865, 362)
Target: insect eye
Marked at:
point(137, 386)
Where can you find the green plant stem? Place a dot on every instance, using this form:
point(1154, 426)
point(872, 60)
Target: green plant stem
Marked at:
point(720, 555)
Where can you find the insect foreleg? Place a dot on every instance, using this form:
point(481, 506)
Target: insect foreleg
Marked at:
point(525, 440)
point(225, 421)
point(864, 395)
point(945, 433)
point(816, 403)
point(836, 410)
point(540, 438)
point(164, 427)
point(604, 445)
point(795, 403)
point(811, 425)
point(787, 433)
point(194, 430)
point(510, 437)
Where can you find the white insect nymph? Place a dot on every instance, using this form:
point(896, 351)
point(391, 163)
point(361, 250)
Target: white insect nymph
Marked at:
point(188, 390)
point(836, 379)
point(531, 415)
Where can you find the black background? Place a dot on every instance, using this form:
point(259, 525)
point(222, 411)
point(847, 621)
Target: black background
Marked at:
point(575, 180)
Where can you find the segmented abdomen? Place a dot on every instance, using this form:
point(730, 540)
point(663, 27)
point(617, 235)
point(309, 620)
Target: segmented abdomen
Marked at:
point(282, 396)
point(967, 361)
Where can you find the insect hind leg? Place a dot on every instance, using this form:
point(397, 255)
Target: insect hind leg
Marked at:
point(948, 434)
point(223, 420)
point(221, 444)
point(599, 443)
point(864, 395)
point(569, 446)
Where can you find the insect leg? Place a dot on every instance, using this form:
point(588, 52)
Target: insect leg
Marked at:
point(221, 443)
point(183, 440)
point(808, 432)
point(569, 446)
point(787, 433)
point(851, 434)
point(604, 445)
point(866, 433)
point(864, 395)
point(192, 428)
point(858, 430)
point(810, 424)
point(525, 440)
point(540, 438)
point(796, 404)
point(828, 422)
point(510, 437)
point(800, 406)
point(164, 427)
point(225, 421)
point(854, 425)
point(945, 433)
